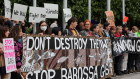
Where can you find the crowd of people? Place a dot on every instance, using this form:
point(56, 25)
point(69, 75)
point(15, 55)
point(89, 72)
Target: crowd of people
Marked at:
point(123, 64)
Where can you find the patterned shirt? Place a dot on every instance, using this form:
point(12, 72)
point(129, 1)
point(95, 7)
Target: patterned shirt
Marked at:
point(18, 53)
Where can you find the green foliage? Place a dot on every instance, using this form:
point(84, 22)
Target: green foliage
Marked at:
point(80, 9)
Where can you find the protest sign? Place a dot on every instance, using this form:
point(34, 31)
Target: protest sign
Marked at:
point(9, 54)
point(37, 14)
point(7, 6)
point(19, 12)
point(51, 10)
point(125, 19)
point(110, 17)
point(64, 55)
point(67, 14)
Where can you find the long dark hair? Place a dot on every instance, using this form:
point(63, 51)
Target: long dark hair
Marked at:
point(72, 19)
point(3, 30)
point(48, 30)
point(14, 32)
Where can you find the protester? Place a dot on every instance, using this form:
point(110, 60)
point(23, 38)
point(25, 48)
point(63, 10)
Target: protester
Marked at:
point(106, 29)
point(26, 29)
point(80, 26)
point(118, 59)
point(43, 28)
point(95, 31)
point(138, 55)
point(131, 56)
point(101, 33)
point(70, 29)
point(4, 33)
point(86, 31)
point(138, 33)
point(2, 22)
point(8, 22)
point(57, 31)
point(125, 31)
point(112, 32)
point(16, 33)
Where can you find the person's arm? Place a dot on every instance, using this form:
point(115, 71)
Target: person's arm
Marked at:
point(28, 30)
point(1, 48)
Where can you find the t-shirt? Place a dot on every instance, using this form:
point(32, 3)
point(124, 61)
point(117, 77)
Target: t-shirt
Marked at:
point(138, 34)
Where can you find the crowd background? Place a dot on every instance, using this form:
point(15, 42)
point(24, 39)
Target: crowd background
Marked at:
point(123, 64)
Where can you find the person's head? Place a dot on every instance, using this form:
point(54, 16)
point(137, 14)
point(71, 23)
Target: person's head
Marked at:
point(22, 23)
point(126, 28)
point(81, 25)
point(2, 22)
point(4, 32)
point(95, 28)
point(113, 30)
point(87, 24)
point(72, 23)
point(56, 31)
point(55, 21)
point(16, 32)
point(100, 27)
point(134, 29)
point(43, 26)
point(119, 29)
point(106, 26)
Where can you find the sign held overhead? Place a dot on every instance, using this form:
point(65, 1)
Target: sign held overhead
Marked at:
point(51, 10)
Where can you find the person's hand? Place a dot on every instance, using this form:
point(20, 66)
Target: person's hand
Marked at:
point(53, 34)
point(31, 26)
point(1, 50)
point(18, 70)
point(41, 34)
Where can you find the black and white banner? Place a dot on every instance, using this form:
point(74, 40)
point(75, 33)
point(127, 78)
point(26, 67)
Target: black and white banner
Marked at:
point(92, 72)
point(42, 43)
point(125, 45)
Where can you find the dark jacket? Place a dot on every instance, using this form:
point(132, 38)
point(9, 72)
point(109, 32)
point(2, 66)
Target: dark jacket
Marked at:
point(68, 32)
point(86, 33)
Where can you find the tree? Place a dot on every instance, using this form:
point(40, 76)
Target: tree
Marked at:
point(80, 9)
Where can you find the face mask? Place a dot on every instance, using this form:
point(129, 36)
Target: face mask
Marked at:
point(43, 28)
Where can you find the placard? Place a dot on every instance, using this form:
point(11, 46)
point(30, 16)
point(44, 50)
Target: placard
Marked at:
point(37, 14)
point(9, 55)
point(7, 6)
point(67, 14)
point(110, 17)
point(19, 12)
point(51, 10)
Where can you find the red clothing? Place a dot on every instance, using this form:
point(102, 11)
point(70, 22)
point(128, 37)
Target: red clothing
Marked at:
point(117, 35)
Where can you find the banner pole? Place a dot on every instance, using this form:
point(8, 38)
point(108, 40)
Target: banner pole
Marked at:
point(64, 7)
point(89, 10)
point(123, 10)
point(108, 5)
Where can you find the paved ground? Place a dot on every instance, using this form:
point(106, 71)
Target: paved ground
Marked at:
point(129, 76)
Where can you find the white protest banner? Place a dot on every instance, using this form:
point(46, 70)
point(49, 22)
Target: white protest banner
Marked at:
point(51, 10)
point(37, 14)
point(67, 14)
point(9, 54)
point(19, 12)
point(7, 6)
